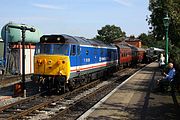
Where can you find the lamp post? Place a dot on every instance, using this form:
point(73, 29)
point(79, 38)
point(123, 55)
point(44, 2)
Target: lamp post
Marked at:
point(166, 25)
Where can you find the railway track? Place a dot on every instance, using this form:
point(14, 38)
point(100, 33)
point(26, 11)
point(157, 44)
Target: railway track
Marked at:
point(5, 80)
point(73, 111)
point(39, 101)
point(62, 105)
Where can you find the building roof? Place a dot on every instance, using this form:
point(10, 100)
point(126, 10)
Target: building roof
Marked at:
point(132, 39)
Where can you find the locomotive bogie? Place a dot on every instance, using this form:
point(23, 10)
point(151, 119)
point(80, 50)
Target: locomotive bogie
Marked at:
point(48, 82)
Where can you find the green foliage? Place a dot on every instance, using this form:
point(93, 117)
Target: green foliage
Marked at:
point(144, 39)
point(159, 9)
point(149, 41)
point(175, 57)
point(132, 37)
point(109, 33)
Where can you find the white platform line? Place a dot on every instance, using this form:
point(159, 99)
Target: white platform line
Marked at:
point(87, 113)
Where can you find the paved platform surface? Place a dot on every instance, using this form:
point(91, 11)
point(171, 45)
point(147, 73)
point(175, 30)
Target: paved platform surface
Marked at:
point(135, 101)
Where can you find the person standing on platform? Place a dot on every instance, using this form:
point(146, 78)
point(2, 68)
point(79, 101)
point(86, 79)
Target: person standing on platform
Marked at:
point(161, 61)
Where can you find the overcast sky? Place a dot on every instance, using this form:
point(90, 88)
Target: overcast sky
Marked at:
point(77, 17)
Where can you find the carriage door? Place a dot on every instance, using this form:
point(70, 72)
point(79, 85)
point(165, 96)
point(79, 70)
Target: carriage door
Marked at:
point(78, 58)
point(75, 57)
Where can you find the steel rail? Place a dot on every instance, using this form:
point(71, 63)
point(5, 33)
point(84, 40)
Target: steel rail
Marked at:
point(44, 104)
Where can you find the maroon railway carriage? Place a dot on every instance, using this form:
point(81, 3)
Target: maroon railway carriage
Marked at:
point(130, 54)
point(138, 54)
point(124, 55)
point(141, 54)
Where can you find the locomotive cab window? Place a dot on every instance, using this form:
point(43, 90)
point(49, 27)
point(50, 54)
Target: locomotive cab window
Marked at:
point(73, 50)
point(47, 48)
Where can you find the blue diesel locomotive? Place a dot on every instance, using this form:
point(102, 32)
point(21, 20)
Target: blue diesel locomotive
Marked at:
point(63, 61)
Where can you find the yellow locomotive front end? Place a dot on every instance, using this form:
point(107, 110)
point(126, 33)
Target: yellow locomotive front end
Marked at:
point(51, 71)
point(52, 65)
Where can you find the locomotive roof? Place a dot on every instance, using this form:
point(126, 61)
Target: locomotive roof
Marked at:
point(63, 38)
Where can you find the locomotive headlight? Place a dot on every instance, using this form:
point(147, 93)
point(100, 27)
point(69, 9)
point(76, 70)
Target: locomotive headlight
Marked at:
point(45, 38)
point(58, 39)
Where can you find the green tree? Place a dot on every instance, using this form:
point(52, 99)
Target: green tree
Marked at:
point(159, 9)
point(144, 39)
point(132, 37)
point(147, 40)
point(109, 33)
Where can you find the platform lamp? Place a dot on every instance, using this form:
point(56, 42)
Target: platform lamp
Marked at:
point(166, 25)
point(23, 30)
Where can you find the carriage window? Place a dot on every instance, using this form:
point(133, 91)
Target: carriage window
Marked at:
point(73, 50)
point(87, 52)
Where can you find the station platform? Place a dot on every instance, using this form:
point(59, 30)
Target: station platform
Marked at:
point(134, 99)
